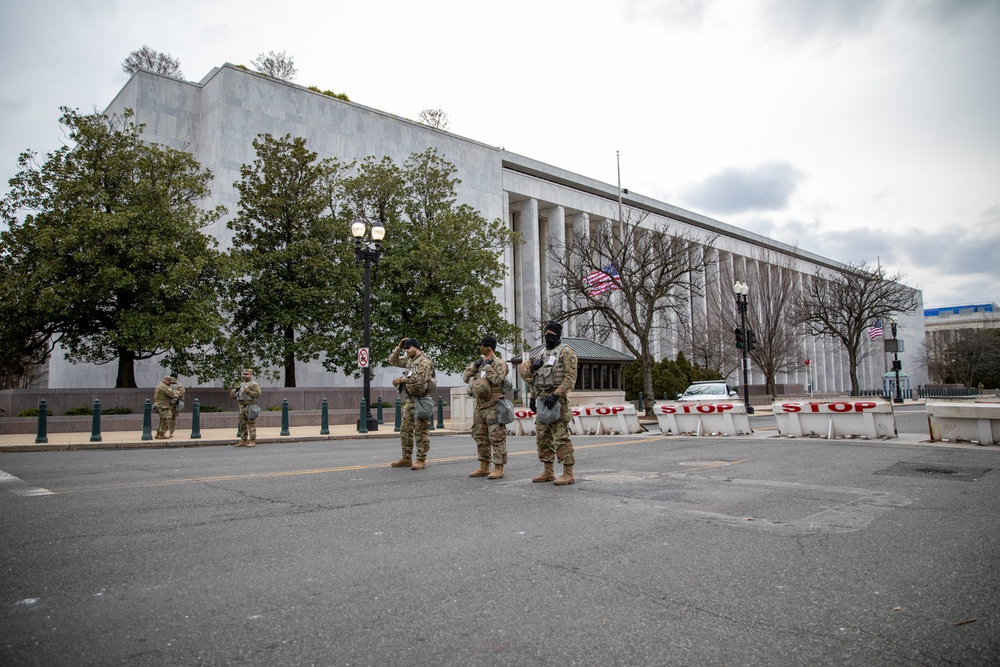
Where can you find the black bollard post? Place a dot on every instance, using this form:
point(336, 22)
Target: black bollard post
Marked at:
point(363, 420)
point(95, 427)
point(42, 436)
point(641, 408)
point(399, 416)
point(379, 411)
point(196, 420)
point(147, 421)
point(284, 417)
point(440, 413)
point(324, 419)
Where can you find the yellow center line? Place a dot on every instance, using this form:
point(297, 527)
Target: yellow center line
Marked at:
point(312, 471)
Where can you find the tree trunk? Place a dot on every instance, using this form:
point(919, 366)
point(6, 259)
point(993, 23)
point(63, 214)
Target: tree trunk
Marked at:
point(126, 370)
point(289, 357)
point(647, 379)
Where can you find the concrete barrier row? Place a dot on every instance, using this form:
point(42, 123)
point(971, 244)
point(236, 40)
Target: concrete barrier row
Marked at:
point(587, 420)
point(699, 418)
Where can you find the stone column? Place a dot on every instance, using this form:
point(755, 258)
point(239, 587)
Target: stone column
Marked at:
point(530, 287)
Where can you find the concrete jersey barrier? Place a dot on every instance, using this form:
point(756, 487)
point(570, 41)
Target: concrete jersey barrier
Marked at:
point(978, 423)
point(869, 418)
point(698, 418)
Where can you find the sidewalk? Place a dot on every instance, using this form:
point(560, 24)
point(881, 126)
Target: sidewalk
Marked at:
point(25, 442)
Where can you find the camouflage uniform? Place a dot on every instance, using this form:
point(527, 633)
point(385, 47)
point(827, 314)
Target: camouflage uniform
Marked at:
point(557, 372)
point(413, 432)
point(247, 394)
point(161, 401)
point(489, 434)
point(174, 408)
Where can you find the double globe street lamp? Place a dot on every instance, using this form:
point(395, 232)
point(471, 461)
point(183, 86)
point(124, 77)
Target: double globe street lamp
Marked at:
point(741, 290)
point(367, 252)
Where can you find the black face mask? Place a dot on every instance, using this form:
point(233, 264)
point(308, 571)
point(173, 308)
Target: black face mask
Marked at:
point(551, 340)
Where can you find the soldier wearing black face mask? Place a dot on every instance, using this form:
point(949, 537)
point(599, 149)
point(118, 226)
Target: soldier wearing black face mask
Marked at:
point(553, 375)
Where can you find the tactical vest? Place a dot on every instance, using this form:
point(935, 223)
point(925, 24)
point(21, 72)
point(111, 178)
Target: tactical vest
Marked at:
point(550, 376)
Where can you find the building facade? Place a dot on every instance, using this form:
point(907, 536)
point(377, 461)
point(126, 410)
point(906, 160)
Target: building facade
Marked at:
point(218, 118)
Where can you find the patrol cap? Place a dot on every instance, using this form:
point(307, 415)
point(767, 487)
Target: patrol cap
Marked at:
point(246, 370)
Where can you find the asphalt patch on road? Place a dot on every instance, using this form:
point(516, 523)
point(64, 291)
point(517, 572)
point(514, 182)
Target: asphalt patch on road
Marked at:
point(925, 470)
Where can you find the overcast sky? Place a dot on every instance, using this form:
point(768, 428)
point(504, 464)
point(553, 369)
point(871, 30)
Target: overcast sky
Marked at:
point(855, 129)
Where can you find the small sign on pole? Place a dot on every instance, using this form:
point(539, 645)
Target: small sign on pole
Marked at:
point(363, 358)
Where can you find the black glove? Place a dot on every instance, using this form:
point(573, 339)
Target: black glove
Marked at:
point(486, 362)
point(537, 363)
point(478, 362)
point(550, 401)
point(531, 404)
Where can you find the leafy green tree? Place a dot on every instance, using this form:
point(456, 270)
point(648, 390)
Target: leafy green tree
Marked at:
point(110, 258)
point(297, 274)
point(441, 263)
point(669, 378)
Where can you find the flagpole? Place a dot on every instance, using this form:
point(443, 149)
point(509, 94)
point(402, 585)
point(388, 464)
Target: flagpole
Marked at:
point(618, 161)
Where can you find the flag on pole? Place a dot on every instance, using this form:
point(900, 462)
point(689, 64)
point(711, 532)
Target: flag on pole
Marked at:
point(599, 282)
point(875, 330)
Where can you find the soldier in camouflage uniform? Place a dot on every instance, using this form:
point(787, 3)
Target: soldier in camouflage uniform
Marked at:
point(552, 375)
point(414, 383)
point(162, 396)
point(246, 394)
point(487, 375)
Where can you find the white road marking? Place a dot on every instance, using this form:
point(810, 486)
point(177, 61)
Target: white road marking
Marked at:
point(19, 487)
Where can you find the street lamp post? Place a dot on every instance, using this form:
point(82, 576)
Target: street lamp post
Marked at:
point(367, 253)
point(896, 365)
point(741, 290)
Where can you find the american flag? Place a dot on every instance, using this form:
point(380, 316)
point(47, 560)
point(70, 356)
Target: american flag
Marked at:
point(599, 282)
point(875, 330)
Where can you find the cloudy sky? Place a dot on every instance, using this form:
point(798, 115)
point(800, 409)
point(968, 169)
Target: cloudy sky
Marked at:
point(856, 129)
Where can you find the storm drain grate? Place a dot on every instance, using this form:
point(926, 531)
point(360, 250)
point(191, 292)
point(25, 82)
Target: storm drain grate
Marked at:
point(935, 471)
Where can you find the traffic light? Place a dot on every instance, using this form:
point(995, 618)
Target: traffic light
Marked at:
point(751, 340)
point(739, 338)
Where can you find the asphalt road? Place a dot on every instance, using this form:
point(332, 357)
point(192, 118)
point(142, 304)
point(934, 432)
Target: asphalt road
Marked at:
point(670, 551)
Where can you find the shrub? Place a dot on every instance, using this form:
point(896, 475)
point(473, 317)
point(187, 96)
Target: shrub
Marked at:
point(32, 412)
point(210, 408)
point(117, 411)
point(81, 411)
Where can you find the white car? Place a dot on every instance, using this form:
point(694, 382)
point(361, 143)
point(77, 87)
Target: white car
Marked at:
point(708, 390)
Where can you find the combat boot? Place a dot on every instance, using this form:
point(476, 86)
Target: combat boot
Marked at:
point(484, 470)
point(566, 477)
point(404, 462)
point(418, 465)
point(252, 443)
point(497, 472)
point(547, 475)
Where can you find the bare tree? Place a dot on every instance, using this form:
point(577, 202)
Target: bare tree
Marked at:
point(277, 65)
point(435, 118)
point(973, 355)
point(154, 61)
point(625, 278)
point(773, 289)
point(842, 303)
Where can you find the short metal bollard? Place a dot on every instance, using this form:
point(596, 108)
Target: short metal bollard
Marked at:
point(196, 420)
point(641, 408)
point(284, 417)
point(324, 419)
point(95, 425)
point(399, 416)
point(147, 420)
point(379, 411)
point(363, 418)
point(41, 435)
point(440, 413)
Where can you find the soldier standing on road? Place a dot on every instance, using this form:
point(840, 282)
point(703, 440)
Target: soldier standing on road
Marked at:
point(176, 403)
point(552, 376)
point(162, 398)
point(416, 382)
point(487, 374)
point(247, 394)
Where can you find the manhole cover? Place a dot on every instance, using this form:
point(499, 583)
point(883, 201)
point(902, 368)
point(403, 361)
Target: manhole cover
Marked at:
point(612, 477)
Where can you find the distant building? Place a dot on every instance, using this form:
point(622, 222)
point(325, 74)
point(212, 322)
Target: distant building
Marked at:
point(218, 118)
point(944, 323)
